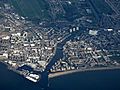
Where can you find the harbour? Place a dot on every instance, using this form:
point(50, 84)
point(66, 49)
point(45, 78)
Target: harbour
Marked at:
point(107, 79)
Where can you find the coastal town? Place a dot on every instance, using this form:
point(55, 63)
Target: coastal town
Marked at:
point(85, 40)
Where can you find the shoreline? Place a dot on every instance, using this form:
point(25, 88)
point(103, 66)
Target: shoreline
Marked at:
point(62, 73)
point(10, 68)
point(58, 74)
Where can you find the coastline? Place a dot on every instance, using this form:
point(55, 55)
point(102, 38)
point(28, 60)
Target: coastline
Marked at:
point(58, 74)
point(54, 75)
point(10, 68)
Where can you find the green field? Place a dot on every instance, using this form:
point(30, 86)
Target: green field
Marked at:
point(31, 8)
point(102, 7)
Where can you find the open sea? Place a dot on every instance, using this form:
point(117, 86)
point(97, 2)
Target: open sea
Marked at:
point(90, 80)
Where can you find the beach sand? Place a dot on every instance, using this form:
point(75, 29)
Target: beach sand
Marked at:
point(57, 74)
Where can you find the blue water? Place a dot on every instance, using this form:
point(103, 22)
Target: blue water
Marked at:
point(93, 80)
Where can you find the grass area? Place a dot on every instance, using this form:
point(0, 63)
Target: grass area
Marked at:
point(1, 16)
point(117, 58)
point(2, 58)
point(31, 8)
point(102, 6)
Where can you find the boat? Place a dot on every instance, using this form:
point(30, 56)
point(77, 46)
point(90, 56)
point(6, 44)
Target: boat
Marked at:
point(33, 77)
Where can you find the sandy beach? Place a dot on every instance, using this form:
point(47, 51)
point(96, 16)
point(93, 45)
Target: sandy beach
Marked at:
point(53, 75)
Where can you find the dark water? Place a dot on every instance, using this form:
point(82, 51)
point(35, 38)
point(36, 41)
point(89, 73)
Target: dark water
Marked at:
point(12, 81)
point(94, 80)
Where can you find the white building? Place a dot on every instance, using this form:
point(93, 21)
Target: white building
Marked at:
point(93, 32)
